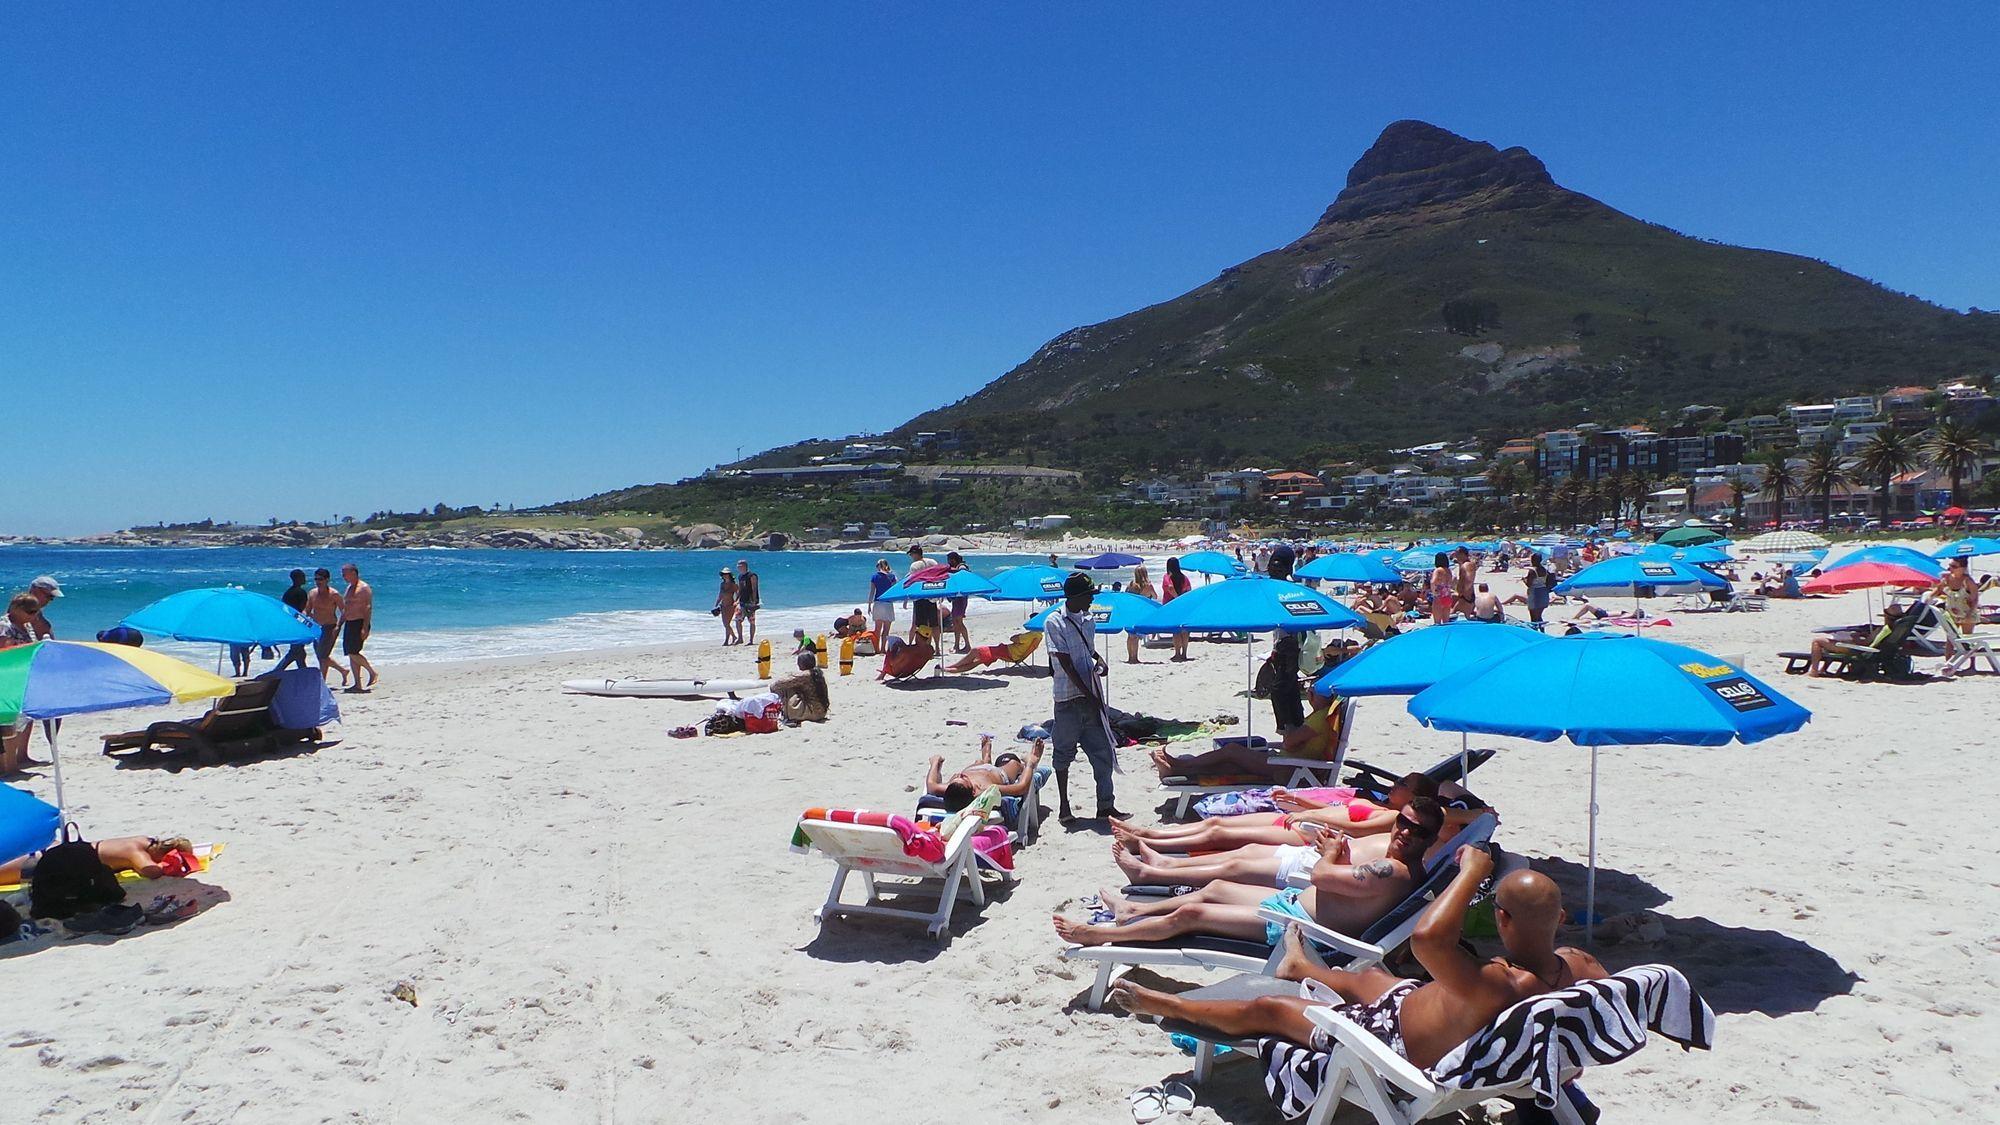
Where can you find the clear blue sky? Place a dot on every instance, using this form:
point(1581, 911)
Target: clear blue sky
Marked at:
point(304, 259)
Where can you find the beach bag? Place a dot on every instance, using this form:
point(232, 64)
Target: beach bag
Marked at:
point(758, 724)
point(723, 722)
point(70, 879)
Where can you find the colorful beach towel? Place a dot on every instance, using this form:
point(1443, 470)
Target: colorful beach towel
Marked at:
point(1259, 800)
point(992, 844)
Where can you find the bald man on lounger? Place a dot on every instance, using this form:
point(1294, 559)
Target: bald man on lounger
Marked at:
point(1420, 1021)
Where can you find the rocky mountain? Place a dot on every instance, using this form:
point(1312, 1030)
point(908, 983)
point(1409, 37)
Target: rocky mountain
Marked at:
point(1452, 289)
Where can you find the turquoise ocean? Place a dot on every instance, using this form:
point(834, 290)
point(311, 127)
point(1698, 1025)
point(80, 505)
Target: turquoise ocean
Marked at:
point(444, 604)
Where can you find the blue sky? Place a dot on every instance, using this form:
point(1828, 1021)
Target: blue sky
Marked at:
point(298, 260)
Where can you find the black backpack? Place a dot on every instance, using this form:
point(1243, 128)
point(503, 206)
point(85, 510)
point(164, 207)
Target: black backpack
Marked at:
point(70, 879)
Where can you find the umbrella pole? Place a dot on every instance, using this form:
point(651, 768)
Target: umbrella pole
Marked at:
point(55, 761)
point(1464, 758)
point(1249, 686)
point(1590, 880)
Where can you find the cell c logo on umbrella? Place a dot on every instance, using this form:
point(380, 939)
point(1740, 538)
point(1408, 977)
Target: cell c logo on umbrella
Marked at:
point(1098, 615)
point(934, 584)
point(1052, 585)
point(1741, 694)
point(1301, 607)
point(1658, 572)
point(1707, 671)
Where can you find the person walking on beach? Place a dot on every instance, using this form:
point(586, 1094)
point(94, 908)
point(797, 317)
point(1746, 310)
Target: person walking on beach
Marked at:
point(294, 598)
point(1081, 721)
point(882, 613)
point(960, 637)
point(725, 608)
point(44, 590)
point(357, 620)
point(1287, 707)
point(1173, 584)
point(749, 598)
point(323, 607)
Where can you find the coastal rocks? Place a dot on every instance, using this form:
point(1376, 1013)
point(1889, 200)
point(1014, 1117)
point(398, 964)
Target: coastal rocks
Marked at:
point(629, 534)
point(777, 541)
point(702, 536)
point(283, 535)
point(370, 538)
point(547, 539)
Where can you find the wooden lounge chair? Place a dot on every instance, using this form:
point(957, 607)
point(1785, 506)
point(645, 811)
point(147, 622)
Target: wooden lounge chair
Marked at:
point(239, 723)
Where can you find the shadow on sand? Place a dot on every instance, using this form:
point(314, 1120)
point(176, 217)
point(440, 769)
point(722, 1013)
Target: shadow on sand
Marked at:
point(947, 683)
point(1736, 969)
point(175, 761)
point(854, 938)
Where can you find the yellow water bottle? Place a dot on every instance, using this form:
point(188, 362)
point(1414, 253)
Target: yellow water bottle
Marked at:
point(847, 656)
point(819, 650)
point(763, 660)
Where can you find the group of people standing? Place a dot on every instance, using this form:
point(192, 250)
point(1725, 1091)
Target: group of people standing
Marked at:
point(343, 617)
point(737, 601)
point(25, 624)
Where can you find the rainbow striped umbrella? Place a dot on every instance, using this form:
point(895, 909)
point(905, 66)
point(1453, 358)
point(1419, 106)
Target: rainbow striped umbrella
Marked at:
point(50, 679)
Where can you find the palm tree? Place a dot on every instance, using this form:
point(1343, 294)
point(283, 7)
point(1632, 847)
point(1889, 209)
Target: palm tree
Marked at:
point(1568, 495)
point(1821, 474)
point(1887, 455)
point(1544, 498)
point(1953, 448)
point(1737, 489)
point(1779, 481)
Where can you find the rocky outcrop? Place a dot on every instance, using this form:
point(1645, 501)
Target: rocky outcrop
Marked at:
point(283, 535)
point(702, 536)
point(1415, 164)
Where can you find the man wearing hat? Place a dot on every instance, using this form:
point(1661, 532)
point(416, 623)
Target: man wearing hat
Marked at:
point(1081, 721)
point(44, 590)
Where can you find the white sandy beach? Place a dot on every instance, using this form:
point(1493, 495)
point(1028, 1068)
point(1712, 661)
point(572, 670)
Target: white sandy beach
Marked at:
point(604, 924)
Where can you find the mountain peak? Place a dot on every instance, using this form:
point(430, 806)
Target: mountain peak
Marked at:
point(1415, 164)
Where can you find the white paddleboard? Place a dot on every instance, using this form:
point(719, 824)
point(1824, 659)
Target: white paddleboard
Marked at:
point(662, 689)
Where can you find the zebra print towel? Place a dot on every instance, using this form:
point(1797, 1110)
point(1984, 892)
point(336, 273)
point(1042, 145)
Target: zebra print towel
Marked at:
point(1590, 1023)
point(1587, 1024)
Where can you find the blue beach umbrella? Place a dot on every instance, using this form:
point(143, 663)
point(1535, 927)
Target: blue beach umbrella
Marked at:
point(1251, 604)
point(1031, 583)
point(1417, 558)
point(1109, 560)
point(1604, 689)
point(1627, 574)
point(1212, 562)
point(1349, 568)
point(938, 582)
point(27, 823)
point(227, 615)
point(1693, 556)
point(1968, 548)
point(1111, 611)
point(1408, 663)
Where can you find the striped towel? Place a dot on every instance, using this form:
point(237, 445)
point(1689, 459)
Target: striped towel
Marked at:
point(1590, 1023)
point(1587, 1024)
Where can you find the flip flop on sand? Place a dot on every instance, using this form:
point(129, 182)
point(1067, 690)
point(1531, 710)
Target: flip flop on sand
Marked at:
point(1147, 1103)
point(1178, 1096)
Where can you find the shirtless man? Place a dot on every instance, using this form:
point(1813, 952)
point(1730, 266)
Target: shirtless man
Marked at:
point(323, 606)
point(1422, 1022)
point(357, 620)
point(1465, 576)
point(1356, 817)
point(1346, 897)
point(143, 854)
point(1014, 776)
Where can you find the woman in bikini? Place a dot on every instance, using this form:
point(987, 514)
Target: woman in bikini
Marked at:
point(725, 608)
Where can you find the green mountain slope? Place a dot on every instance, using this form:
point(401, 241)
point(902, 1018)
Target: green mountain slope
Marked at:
point(1454, 289)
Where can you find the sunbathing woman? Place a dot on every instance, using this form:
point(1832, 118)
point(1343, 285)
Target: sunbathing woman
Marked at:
point(1356, 817)
point(1312, 739)
point(143, 854)
point(1018, 648)
point(1014, 776)
point(1257, 865)
point(1345, 896)
point(905, 658)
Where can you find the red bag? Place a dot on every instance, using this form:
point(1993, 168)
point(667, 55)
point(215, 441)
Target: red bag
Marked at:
point(756, 724)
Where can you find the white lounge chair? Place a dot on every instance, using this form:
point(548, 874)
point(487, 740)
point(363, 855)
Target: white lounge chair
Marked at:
point(1531, 1051)
point(876, 851)
point(1200, 951)
point(1305, 773)
point(1963, 649)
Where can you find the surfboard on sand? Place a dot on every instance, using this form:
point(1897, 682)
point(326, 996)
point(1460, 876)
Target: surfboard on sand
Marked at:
point(662, 689)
